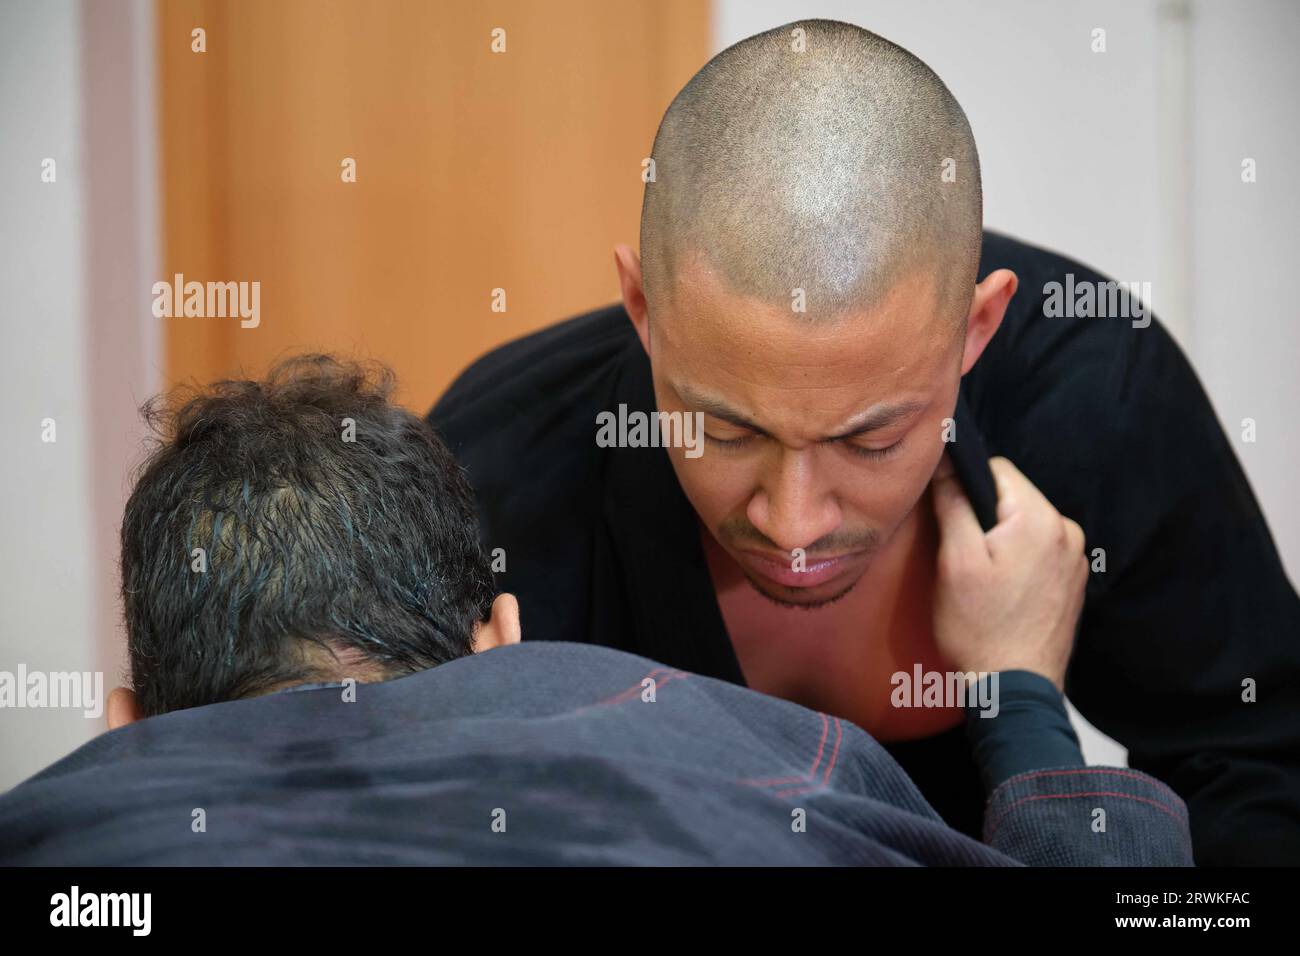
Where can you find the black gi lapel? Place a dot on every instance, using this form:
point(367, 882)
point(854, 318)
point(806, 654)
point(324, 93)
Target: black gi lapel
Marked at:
point(971, 463)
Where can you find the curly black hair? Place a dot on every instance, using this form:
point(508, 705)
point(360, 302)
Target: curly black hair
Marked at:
point(330, 521)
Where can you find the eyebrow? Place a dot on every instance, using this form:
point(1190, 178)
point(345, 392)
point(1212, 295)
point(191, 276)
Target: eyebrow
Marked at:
point(873, 419)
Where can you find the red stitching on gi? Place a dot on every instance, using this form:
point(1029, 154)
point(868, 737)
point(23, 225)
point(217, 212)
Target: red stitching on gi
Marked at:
point(1066, 796)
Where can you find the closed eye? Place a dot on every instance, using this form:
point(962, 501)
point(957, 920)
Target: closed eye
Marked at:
point(874, 454)
point(871, 454)
point(728, 442)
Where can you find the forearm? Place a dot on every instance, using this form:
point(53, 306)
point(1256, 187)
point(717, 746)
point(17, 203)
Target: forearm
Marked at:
point(1046, 808)
point(1026, 729)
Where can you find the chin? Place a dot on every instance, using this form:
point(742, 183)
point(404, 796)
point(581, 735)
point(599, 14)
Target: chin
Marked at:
point(809, 599)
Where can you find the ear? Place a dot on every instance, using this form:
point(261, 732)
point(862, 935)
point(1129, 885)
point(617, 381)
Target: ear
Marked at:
point(122, 708)
point(501, 627)
point(629, 282)
point(987, 308)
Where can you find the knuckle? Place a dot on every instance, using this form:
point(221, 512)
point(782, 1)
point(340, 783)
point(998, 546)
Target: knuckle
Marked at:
point(1046, 522)
point(950, 562)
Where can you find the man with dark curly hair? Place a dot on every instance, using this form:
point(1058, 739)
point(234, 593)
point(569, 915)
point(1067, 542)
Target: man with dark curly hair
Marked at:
point(295, 529)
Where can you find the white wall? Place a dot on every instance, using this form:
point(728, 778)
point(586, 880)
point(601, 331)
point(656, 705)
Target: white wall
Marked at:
point(46, 573)
point(77, 341)
point(1130, 160)
point(1245, 241)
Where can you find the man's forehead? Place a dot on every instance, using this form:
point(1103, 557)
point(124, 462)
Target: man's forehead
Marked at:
point(762, 363)
point(702, 311)
point(726, 345)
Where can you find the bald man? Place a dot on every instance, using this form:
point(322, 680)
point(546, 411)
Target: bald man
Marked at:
point(730, 472)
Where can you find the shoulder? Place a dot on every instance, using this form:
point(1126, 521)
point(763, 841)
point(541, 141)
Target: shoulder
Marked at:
point(528, 408)
point(1073, 339)
point(561, 361)
point(1085, 390)
point(1063, 308)
point(521, 421)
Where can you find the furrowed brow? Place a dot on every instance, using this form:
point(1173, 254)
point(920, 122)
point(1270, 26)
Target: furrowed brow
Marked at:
point(881, 416)
point(717, 409)
point(875, 418)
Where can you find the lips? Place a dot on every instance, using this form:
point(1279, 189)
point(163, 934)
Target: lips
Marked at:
point(780, 570)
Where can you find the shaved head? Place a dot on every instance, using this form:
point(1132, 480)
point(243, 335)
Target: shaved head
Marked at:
point(815, 156)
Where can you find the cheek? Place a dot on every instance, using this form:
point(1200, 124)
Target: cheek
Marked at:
point(877, 496)
point(882, 493)
point(715, 487)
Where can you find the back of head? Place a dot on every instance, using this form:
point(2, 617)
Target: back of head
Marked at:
point(815, 156)
point(297, 528)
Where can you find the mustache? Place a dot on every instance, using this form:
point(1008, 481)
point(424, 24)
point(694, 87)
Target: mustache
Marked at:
point(739, 531)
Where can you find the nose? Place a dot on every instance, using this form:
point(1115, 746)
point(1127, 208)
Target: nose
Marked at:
point(789, 507)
